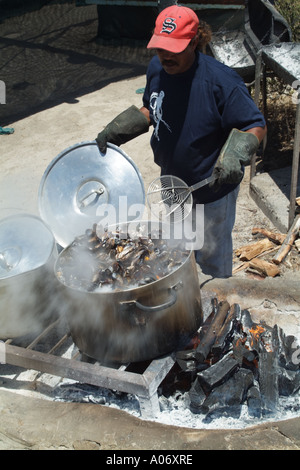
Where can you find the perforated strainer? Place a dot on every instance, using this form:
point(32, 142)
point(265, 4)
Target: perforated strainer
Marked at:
point(171, 198)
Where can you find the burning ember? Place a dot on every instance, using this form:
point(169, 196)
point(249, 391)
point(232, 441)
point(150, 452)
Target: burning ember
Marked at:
point(118, 259)
point(234, 361)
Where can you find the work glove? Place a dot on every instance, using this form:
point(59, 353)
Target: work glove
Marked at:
point(127, 125)
point(236, 152)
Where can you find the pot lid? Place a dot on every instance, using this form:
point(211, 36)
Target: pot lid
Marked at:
point(83, 186)
point(26, 243)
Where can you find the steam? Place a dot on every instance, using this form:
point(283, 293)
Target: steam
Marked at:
point(28, 290)
point(111, 326)
point(29, 302)
point(131, 323)
point(106, 325)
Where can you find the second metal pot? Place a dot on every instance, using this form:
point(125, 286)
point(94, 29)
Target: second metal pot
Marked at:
point(28, 288)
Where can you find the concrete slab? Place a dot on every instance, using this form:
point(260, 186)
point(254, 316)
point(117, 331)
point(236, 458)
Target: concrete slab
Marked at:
point(271, 192)
point(35, 424)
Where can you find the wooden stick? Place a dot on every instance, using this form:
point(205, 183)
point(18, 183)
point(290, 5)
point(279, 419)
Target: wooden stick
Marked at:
point(263, 267)
point(207, 342)
point(288, 242)
point(240, 267)
point(248, 252)
point(277, 238)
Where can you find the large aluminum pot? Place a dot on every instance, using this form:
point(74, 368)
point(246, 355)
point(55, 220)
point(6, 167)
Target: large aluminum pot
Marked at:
point(136, 324)
point(27, 282)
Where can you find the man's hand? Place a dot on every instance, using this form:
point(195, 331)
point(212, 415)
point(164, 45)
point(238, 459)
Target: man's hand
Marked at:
point(126, 126)
point(236, 152)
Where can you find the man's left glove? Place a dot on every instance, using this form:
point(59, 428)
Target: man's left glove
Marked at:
point(236, 152)
point(126, 126)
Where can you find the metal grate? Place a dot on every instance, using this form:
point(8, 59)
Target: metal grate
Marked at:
point(123, 378)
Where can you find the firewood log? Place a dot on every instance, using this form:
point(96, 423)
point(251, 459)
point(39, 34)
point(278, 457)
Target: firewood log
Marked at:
point(248, 252)
point(222, 335)
point(208, 341)
point(288, 242)
point(277, 238)
point(263, 267)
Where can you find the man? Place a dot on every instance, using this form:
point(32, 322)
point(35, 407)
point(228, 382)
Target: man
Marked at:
point(204, 121)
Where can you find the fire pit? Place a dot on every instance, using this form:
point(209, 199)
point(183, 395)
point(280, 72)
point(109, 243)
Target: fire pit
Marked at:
point(254, 376)
point(171, 387)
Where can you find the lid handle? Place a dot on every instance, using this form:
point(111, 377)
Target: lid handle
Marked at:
point(87, 200)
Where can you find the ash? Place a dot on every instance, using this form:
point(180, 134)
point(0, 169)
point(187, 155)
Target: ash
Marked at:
point(174, 410)
point(287, 56)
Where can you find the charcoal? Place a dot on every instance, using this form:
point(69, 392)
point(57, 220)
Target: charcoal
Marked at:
point(246, 320)
point(215, 305)
point(222, 342)
point(287, 350)
point(254, 337)
point(288, 382)
point(254, 401)
point(187, 365)
point(206, 324)
point(268, 340)
point(268, 380)
point(241, 352)
point(196, 397)
point(249, 356)
point(230, 395)
point(186, 360)
point(238, 341)
point(209, 338)
point(186, 354)
point(284, 346)
point(218, 372)
point(241, 360)
point(295, 359)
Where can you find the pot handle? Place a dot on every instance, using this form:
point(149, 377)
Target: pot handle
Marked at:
point(157, 308)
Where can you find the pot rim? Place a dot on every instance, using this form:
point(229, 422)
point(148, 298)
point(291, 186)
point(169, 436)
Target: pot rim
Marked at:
point(129, 290)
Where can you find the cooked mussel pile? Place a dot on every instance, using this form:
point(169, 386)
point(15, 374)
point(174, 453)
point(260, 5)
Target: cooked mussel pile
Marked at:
point(118, 259)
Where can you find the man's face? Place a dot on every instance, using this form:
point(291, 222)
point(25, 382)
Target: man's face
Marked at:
point(178, 63)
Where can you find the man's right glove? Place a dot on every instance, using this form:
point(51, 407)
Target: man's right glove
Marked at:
point(236, 152)
point(126, 126)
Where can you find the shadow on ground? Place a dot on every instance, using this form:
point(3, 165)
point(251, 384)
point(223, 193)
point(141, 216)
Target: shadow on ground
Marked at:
point(52, 55)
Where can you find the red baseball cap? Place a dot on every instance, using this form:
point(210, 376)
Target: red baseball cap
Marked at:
point(175, 26)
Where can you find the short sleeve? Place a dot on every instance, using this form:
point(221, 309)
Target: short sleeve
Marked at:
point(240, 111)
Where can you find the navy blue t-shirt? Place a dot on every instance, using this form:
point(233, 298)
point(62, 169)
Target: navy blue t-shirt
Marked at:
point(192, 114)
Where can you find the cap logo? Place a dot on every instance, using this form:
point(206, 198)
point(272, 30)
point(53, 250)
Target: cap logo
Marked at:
point(169, 25)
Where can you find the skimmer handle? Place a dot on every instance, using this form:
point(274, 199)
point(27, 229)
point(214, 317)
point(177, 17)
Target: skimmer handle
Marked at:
point(202, 183)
